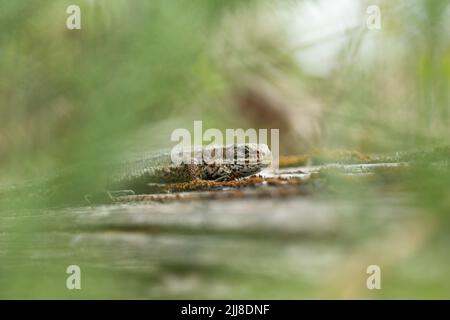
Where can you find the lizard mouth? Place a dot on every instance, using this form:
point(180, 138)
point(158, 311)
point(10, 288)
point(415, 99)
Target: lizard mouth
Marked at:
point(264, 155)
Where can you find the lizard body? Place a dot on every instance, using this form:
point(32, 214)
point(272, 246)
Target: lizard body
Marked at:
point(137, 172)
point(213, 162)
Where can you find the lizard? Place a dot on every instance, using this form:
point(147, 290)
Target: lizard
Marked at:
point(134, 174)
point(212, 162)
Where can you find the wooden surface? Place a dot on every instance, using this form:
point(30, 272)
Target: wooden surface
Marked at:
point(248, 246)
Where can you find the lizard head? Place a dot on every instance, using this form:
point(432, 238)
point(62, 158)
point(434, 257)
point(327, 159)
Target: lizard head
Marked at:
point(235, 160)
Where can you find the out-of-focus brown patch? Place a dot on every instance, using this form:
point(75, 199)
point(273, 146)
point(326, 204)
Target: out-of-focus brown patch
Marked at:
point(240, 183)
point(339, 156)
point(294, 161)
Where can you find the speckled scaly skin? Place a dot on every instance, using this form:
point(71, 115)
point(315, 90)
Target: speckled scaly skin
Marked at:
point(213, 162)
